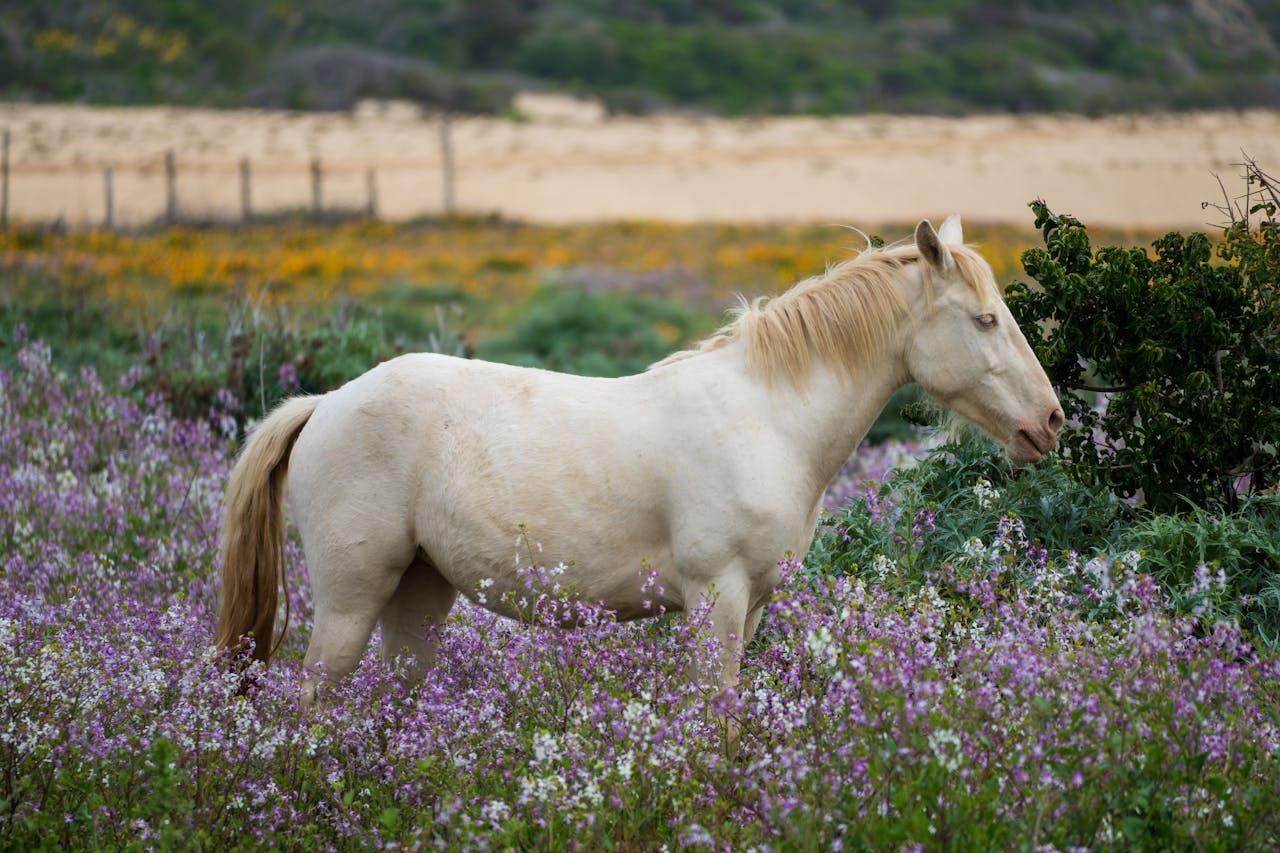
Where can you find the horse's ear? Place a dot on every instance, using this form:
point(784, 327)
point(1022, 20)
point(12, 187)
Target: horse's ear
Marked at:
point(951, 234)
point(932, 248)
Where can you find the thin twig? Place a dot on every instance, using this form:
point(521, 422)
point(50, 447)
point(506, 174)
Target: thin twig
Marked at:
point(1101, 389)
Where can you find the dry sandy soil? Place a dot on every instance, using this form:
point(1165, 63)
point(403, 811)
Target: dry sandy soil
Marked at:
point(567, 162)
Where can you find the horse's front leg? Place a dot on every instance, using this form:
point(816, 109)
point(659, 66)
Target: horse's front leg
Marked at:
point(728, 599)
point(732, 621)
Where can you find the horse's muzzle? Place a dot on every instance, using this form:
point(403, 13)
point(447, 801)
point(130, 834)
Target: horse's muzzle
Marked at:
point(1031, 440)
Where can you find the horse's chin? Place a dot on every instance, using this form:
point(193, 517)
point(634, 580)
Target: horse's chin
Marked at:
point(1019, 447)
point(1022, 450)
point(1024, 458)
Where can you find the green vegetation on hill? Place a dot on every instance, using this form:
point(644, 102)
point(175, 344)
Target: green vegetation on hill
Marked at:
point(733, 56)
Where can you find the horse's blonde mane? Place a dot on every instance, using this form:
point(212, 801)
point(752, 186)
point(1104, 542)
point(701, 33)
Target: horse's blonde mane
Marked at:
point(844, 318)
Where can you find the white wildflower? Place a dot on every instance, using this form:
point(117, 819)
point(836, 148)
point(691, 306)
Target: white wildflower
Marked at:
point(929, 596)
point(589, 795)
point(946, 748)
point(1107, 832)
point(545, 747)
point(625, 762)
point(986, 494)
point(1100, 568)
point(695, 835)
point(1130, 560)
point(822, 646)
point(496, 813)
point(883, 566)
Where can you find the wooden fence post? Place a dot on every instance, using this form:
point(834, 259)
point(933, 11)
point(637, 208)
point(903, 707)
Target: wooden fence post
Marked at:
point(446, 156)
point(4, 180)
point(371, 193)
point(170, 188)
point(108, 199)
point(317, 202)
point(246, 199)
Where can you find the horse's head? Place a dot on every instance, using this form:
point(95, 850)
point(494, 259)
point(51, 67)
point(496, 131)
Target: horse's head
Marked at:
point(967, 351)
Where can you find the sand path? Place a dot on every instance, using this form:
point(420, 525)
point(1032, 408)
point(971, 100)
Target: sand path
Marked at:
point(567, 166)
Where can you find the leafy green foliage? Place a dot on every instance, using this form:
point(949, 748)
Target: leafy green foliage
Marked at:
point(924, 515)
point(806, 56)
point(1244, 546)
point(575, 331)
point(896, 421)
point(1182, 348)
point(965, 508)
point(253, 365)
point(238, 362)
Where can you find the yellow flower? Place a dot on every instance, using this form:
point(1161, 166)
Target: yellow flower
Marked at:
point(175, 46)
point(105, 46)
point(55, 41)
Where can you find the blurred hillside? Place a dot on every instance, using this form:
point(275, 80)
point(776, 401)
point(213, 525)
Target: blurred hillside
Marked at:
point(724, 56)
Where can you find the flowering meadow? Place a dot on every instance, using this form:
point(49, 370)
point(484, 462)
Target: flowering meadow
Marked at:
point(1008, 696)
point(460, 260)
point(969, 656)
point(479, 258)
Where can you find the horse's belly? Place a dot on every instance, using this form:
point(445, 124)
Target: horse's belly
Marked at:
point(498, 552)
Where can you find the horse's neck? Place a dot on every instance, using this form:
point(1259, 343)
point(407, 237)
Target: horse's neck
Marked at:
point(819, 425)
point(834, 411)
point(827, 419)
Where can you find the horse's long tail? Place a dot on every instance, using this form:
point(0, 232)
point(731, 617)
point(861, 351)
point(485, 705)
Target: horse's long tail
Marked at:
point(252, 543)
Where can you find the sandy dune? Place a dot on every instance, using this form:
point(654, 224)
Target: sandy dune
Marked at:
point(566, 165)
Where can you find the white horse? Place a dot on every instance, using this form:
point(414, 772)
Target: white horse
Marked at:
point(410, 484)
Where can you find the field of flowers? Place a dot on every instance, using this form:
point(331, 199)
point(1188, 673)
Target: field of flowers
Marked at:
point(986, 673)
point(307, 266)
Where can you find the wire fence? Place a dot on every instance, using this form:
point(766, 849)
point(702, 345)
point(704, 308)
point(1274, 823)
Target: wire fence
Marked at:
point(173, 190)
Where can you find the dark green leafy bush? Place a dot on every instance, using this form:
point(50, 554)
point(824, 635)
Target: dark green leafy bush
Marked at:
point(799, 56)
point(236, 360)
point(1164, 363)
point(249, 368)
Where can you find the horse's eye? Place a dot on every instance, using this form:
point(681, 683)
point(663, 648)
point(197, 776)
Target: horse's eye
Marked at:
point(986, 321)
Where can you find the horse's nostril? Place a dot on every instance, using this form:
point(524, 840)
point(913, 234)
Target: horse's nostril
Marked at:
point(1056, 419)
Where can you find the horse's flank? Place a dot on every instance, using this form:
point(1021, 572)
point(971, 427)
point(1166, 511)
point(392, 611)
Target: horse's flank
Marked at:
point(844, 317)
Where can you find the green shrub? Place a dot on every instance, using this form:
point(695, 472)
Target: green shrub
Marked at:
point(575, 331)
point(894, 422)
point(926, 515)
point(965, 508)
point(248, 365)
point(825, 57)
point(1182, 350)
point(233, 360)
point(1240, 551)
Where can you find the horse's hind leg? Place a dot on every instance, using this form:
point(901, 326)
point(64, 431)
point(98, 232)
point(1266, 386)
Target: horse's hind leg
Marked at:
point(351, 584)
point(411, 621)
